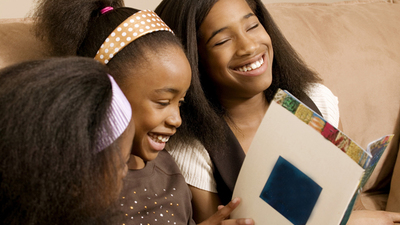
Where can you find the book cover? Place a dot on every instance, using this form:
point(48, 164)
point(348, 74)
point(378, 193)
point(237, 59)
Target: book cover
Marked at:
point(300, 169)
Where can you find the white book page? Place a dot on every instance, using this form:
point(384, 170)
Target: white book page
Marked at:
point(282, 134)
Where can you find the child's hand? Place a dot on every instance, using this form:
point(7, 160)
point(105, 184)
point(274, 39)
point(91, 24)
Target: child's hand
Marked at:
point(219, 218)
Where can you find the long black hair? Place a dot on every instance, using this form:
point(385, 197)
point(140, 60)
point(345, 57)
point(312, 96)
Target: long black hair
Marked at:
point(288, 70)
point(50, 116)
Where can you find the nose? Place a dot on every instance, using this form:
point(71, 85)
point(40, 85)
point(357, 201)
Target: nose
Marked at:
point(174, 119)
point(246, 45)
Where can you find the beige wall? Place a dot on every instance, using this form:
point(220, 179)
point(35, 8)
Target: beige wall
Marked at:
point(20, 8)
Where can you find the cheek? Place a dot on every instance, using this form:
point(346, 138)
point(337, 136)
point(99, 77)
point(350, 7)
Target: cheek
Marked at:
point(218, 68)
point(145, 121)
point(216, 62)
point(263, 37)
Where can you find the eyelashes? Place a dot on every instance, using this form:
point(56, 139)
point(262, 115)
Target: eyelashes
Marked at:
point(253, 27)
point(163, 103)
point(167, 103)
point(221, 42)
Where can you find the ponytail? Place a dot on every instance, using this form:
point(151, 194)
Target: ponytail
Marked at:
point(78, 27)
point(64, 24)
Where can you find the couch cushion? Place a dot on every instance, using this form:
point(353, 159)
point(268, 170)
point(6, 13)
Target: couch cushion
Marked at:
point(17, 42)
point(355, 48)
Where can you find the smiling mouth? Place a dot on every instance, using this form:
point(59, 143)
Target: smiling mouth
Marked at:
point(251, 66)
point(159, 138)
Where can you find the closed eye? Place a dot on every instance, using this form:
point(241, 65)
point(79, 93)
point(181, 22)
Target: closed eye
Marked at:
point(253, 27)
point(163, 103)
point(221, 42)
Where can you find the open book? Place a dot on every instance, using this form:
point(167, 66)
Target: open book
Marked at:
point(302, 170)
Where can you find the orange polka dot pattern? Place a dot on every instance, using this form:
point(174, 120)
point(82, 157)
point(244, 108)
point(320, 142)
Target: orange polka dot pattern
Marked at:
point(137, 25)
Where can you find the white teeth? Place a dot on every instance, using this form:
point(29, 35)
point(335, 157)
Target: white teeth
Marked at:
point(159, 138)
point(252, 66)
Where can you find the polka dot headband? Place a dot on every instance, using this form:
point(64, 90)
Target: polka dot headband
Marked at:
point(137, 25)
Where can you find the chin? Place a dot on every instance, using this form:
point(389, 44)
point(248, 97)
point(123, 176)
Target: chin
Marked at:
point(266, 84)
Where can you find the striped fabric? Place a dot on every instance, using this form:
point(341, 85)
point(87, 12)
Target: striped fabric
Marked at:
point(119, 115)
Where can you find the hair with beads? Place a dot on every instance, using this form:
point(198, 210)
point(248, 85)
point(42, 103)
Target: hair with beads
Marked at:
point(289, 72)
point(79, 27)
point(50, 171)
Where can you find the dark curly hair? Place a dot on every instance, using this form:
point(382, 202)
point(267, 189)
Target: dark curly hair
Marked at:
point(50, 116)
point(77, 27)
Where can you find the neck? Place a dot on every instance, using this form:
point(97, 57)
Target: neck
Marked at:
point(244, 116)
point(135, 163)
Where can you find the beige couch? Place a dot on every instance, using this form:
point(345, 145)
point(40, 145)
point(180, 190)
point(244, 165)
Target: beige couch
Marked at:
point(354, 46)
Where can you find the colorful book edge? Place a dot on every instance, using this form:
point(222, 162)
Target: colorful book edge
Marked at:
point(365, 158)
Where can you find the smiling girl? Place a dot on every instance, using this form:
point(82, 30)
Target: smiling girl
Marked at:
point(242, 59)
point(148, 62)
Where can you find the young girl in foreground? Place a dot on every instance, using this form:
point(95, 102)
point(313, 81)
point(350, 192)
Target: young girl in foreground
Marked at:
point(65, 140)
point(148, 62)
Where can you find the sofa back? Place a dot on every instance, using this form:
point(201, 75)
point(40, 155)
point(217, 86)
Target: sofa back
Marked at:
point(17, 42)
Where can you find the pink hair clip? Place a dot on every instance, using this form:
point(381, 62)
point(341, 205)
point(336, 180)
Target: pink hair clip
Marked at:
point(106, 9)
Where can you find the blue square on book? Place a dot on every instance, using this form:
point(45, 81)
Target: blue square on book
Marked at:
point(291, 192)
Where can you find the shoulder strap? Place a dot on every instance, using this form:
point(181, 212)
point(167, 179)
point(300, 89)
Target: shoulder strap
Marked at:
point(308, 102)
point(227, 163)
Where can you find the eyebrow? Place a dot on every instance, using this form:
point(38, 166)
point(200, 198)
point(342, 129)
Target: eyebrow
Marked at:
point(224, 28)
point(170, 90)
